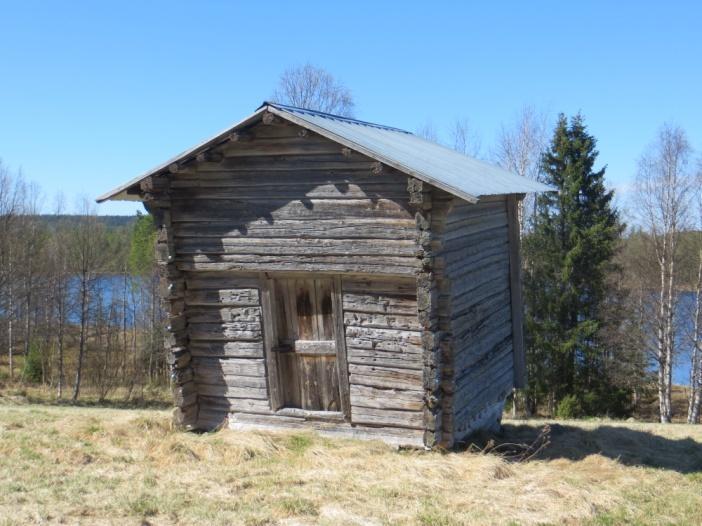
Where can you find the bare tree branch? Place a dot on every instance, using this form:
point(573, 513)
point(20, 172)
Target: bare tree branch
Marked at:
point(314, 88)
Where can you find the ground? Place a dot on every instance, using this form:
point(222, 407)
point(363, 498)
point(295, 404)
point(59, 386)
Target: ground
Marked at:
point(97, 465)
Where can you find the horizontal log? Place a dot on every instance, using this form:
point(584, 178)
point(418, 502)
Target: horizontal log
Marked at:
point(346, 228)
point(303, 180)
point(223, 297)
point(378, 335)
point(225, 331)
point(386, 417)
point(227, 349)
point(395, 435)
point(380, 303)
point(373, 286)
point(381, 321)
point(329, 264)
point(474, 228)
point(215, 281)
point(285, 209)
point(208, 387)
point(202, 314)
point(385, 377)
point(372, 397)
point(204, 190)
point(228, 366)
point(225, 404)
point(379, 358)
point(296, 246)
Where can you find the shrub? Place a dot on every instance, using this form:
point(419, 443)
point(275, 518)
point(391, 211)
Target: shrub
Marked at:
point(569, 407)
point(33, 370)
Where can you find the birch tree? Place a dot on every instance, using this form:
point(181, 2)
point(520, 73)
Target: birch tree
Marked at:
point(519, 148)
point(664, 189)
point(314, 88)
point(695, 398)
point(465, 139)
point(86, 253)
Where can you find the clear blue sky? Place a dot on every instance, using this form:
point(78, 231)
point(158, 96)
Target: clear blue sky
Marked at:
point(95, 93)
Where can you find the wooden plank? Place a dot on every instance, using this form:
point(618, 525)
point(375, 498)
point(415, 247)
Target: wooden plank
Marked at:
point(385, 377)
point(314, 347)
point(374, 286)
point(380, 303)
point(223, 297)
point(249, 331)
point(373, 397)
point(378, 358)
point(228, 389)
point(240, 349)
point(230, 366)
point(337, 228)
point(361, 265)
point(341, 352)
point(295, 246)
point(323, 308)
point(227, 404)
point(515, 284)
point(387, 417)
point(202, 314)
point(381, 321)
point(304, 309)
point(270, 339)
point(230, 209)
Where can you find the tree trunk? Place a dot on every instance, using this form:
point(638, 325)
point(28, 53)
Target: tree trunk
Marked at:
point(82, 337)
point(695, 401)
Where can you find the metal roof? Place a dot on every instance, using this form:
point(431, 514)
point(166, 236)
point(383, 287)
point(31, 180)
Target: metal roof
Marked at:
point(428, 161)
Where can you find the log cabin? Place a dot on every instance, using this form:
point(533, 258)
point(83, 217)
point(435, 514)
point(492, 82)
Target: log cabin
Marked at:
point(328, 273)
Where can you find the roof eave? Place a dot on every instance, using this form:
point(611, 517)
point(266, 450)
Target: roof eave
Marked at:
point(180, 158)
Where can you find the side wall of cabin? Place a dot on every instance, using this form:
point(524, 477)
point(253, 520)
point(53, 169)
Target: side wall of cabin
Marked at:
point(474, 276)
point(276, 201)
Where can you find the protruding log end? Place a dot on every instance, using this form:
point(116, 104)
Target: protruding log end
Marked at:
point(212, 157)
point(269, 118)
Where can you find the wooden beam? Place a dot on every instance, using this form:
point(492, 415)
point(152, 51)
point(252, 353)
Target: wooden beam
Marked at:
point(270, 342)
point(207, 156)
point(239, 136)
point(377, 168)
point(515, 286)
point(346, 152)
point(341, 357)
point(304, 132)
point(268, 118)
point(173, 168)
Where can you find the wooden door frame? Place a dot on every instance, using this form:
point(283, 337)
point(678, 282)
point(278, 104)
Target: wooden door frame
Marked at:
point(270, 339)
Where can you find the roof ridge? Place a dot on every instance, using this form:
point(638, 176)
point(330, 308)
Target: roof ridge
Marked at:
point(289, 108)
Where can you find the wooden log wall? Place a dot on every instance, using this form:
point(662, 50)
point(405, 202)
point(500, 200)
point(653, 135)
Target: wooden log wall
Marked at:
point(284, 202)
point(155, 192)
point(384, 352)
point(472, 267)
point(226, 343)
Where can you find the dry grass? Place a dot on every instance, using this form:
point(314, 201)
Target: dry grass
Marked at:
point(105, 466)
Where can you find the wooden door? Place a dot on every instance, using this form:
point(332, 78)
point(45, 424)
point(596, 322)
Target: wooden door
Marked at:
point(306, 343)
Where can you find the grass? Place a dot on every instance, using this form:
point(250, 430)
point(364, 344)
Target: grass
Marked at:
point(90, 465)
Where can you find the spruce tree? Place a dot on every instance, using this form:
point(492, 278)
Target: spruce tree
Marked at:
point(569, 254)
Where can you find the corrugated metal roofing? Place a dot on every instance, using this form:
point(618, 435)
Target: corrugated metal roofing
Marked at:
point(447, 169)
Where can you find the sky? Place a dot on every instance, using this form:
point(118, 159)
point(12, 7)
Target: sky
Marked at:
point(94, 93)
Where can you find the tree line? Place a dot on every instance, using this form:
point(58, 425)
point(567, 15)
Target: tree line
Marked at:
point(613, 295)
point(78, 297)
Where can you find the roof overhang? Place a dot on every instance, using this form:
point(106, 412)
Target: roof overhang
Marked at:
point(130, 191)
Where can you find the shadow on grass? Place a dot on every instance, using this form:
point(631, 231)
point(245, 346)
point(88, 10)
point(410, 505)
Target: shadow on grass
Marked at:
point(628, 446)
